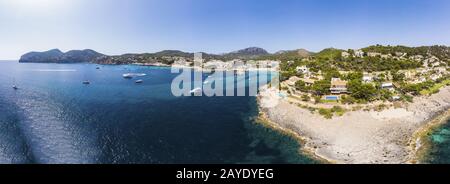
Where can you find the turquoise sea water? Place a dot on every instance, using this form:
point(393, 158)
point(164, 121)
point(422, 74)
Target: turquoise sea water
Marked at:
point(440, 147)
point(54, 118)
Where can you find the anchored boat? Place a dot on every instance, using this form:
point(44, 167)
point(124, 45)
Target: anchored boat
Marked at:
point(127, 76)
point(196, 91)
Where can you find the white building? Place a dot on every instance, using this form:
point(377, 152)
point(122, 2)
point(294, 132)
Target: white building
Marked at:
point(400, 54)
point(386, 56)
point(373, 54)
point(338, 86)
point(435, 77)
point(367, 78)
point(359, 53)
point(303, 70)
point(345, 54)
point(181, 62)
point(416, 57)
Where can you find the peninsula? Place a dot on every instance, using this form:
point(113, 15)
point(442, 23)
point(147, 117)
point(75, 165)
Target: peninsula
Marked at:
point(370, 105)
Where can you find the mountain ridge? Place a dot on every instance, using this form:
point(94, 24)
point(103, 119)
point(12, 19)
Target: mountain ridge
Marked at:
point(170, 56)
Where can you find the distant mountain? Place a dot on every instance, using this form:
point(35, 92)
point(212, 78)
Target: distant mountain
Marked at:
point(51, 56)
point(56, 56)
point(295, 53)
point(251, 52)
point(173, 53)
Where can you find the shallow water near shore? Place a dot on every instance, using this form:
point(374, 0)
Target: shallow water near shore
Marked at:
point(439, 151)
point(54, 118)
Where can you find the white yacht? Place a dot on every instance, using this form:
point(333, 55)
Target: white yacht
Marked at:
point(127, 76)
point(14, 85)
point(196, 91)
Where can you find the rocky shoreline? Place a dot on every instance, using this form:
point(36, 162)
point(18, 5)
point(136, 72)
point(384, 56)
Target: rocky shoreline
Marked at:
point(390, 136)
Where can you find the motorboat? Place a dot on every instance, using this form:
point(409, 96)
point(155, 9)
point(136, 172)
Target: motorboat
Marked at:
point(139, 81)
point(127, 76)
point(196, 91)
point(14, 85)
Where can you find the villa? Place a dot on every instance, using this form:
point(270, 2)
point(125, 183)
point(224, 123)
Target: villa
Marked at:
point(359, 53)
point(338, 86)
point(302, 70)
point(373, 54)
point(400, 54)
point(367, 78)
point(419, 80)
point(345, 54)
point(386, 56)
point(435, 77)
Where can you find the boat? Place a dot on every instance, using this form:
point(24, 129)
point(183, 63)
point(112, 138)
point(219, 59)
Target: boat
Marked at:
point(97, 67)
point(205, 82)
point(139, 81)
point(14, 85)
point(127, 76)
point(196, 91)
point(131, 75)
point(86, 82)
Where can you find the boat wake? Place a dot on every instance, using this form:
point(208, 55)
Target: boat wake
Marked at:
point(53, 70)
point(135, 74)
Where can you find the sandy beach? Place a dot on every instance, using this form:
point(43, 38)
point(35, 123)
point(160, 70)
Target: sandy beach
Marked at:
point(358, 137)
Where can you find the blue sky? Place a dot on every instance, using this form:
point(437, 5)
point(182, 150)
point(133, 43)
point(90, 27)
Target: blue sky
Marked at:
point(218, 26)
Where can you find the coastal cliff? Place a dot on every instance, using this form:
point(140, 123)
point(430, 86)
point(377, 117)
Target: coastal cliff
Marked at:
point(388, 136)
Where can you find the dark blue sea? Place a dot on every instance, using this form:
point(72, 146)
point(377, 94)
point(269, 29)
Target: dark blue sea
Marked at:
point(54, 118)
